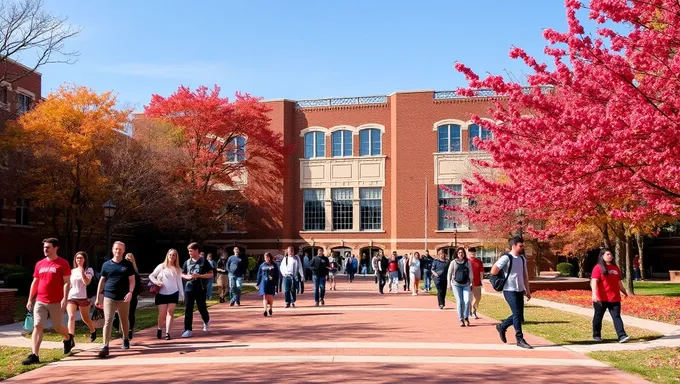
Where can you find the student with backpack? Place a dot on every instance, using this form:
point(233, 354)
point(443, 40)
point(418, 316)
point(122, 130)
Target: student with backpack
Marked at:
point(459, 279)
point(511, 276)
point(196, 271)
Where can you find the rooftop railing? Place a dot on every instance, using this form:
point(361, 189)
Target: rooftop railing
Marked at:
point(446, 95)
point(342, 101)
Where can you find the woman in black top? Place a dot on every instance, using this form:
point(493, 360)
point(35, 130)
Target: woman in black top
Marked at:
point(440, 269)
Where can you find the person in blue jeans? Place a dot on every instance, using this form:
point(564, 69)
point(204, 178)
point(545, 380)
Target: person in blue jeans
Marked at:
point(459, 278)
point(290, 269)
point(426, 266)
point(514, 266)
point(319, 265)
point(209, 284)
point(236, 266)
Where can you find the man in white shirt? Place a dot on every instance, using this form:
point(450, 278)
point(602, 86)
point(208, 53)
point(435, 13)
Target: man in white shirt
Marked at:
point(290, 268)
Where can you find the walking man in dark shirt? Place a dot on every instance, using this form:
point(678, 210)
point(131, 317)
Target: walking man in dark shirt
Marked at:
point(196, 271)
point(319, 267)
point(236, 266)
point(382, 272)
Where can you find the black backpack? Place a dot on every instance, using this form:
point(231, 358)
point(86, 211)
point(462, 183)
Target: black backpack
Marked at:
point(462, 275)
point(498, 281)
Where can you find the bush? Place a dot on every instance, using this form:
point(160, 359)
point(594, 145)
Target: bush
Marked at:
point(252, 263)
point(566, 269)
point(20, 281)
point(9, 269)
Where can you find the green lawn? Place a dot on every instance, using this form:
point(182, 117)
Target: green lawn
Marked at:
point(145, 318)
point(646, 288)
point(11, 357)
point(657, 365)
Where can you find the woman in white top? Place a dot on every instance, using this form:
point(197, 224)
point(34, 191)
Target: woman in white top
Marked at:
point(414, 271)
point(167, 276)
point(81, 275)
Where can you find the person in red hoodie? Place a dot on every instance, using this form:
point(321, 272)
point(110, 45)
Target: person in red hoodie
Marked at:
point(607, 288)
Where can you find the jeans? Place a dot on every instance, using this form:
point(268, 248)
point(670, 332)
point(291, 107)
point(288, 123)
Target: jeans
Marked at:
point(638, 275)
point(299, 285)
point(308, 274)
point(516, 302)
point(407, 280)
point(614, 310)
point(199, 298)
point(440, 284)
point(235, 286)
point(462, 295)
point(289, 289)
point(208, 292)
point(427, 279)
point(351, 276)
point(364, 269)
point(319, 288)
point(394, 280)
point(382, 279)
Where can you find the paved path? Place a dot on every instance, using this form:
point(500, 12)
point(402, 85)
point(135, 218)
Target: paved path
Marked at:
point(358, 336)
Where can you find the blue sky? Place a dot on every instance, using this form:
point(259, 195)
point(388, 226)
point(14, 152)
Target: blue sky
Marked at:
point(294, 49)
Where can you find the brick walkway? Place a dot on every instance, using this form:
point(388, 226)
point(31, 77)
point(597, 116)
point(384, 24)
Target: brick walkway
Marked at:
point(358, 336)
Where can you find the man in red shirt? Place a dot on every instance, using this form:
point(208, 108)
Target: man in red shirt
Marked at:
point(477, 277)
point(51, 283)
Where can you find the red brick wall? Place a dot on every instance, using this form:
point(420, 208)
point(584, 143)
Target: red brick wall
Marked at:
point(7, 301)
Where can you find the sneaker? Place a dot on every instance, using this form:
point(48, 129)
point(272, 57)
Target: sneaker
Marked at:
point(467, 321)
point(159, 333)
point(624, 339)
point(414, 294)
point(167, 336)
point(186, 334)
point(501, 333)
point(238, 303)
point(104, 351)
point(323, 302)
point(475, 316)
point(232, 304)
point(69, 344)
point(523, 344)
point(206, 326)
point(130, 334)
point(292, 304)
point(265, 313)
point(597, 338)
point(126, 344)
point(31, 359)
point(287, 305)
point(271, 312)
point(93, 336)
point(316, 303)
point(441, 307)
point(462, 323)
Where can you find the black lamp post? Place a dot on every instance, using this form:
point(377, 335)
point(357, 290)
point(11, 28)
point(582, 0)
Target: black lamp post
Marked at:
point(520, 216)
point(109, 212)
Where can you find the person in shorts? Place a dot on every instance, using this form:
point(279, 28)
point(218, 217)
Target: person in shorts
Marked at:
point(51, 278)
point(81, 277)
point(168, 277)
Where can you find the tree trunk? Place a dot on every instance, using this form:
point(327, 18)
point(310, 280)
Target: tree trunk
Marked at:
point(581, 265)
point(629, 266)
point(605, 237)
point(618, 252)
point(641, 245)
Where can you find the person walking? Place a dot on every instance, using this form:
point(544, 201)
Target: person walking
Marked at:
point(132, 312)
point(167, 276)
point(196, 271)
point(51, 278)
point(390, 283)
point(266, 282)
point(393, 269)
point(414, 273)
point(81, 277)
point(426, 266)
point(404, 271)
point(363, 264)
point(382, 265)
point(209, 284)
point(117, 282)
point(636, 268)
point(607, 287)
point(351, 267)
point(236, 266)
point(477, 277)
point(440, 269)
point(307, 263)
point(289, 269)
point(374, 264)
point(513, 265)
point(459, 278)
point(320, 266)
point(333, 267)
point(222, 277)
point(299, 278)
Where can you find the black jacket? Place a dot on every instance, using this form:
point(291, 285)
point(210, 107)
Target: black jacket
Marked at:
point(319, 265)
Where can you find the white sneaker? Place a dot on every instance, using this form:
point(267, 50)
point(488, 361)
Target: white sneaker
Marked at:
point(414, 294)
point(206, 326)
point(186, 334)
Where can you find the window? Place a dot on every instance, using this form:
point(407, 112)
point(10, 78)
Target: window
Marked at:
point(342, 143)
point(314, 210)
point(477, 131)
point(23, 206)
point(23, 103)
point(342, 208)
point(237, 153)
point(370, 203)
point(447, 199)
point(369, 142)
point(315, 145)
point(449, 138)
point(4, 94)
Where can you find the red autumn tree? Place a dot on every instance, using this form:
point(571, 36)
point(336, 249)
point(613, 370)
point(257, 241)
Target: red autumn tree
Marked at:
point(223, 145)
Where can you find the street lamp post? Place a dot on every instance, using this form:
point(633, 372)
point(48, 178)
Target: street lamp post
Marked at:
point(520, 215)
point(109, 212)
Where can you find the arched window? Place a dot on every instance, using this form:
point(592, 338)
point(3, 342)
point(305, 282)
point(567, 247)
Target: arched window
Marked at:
point(315, 144)
point(342, 143)
point(449, 138)
point(477, 131)
point(369, 142)
point(237, 151)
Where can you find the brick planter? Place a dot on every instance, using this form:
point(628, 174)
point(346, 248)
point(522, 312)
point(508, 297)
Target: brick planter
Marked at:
point(675, 276)
point(7, 303)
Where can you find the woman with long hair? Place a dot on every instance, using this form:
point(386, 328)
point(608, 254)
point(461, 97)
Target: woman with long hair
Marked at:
point(81, 276)
point(267, 281)
point(167, 276)
point(459, 279)
point(393, 270)
point(607, 287)
point(415, 272)
point(440, 271)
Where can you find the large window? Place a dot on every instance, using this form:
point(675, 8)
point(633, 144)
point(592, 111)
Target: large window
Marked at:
point(477, 131)
point(369, 142)
point(237, 150)
point(342, 208)
point(449, 138)
point(448, 199)
point(23, 206)
point(342, 143)
point(23, 103)
point(314, 210)
point(370, 202)
point(315, 144)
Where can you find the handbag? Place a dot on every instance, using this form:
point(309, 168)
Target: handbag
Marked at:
point(153, 288)
point(28, 322)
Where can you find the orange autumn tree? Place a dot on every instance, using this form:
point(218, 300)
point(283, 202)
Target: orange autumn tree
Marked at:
point(65, 140)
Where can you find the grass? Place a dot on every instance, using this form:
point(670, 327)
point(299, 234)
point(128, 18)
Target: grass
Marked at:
point(145, 318)
point(11, 357)
point(657, 289)
point(657, 365)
